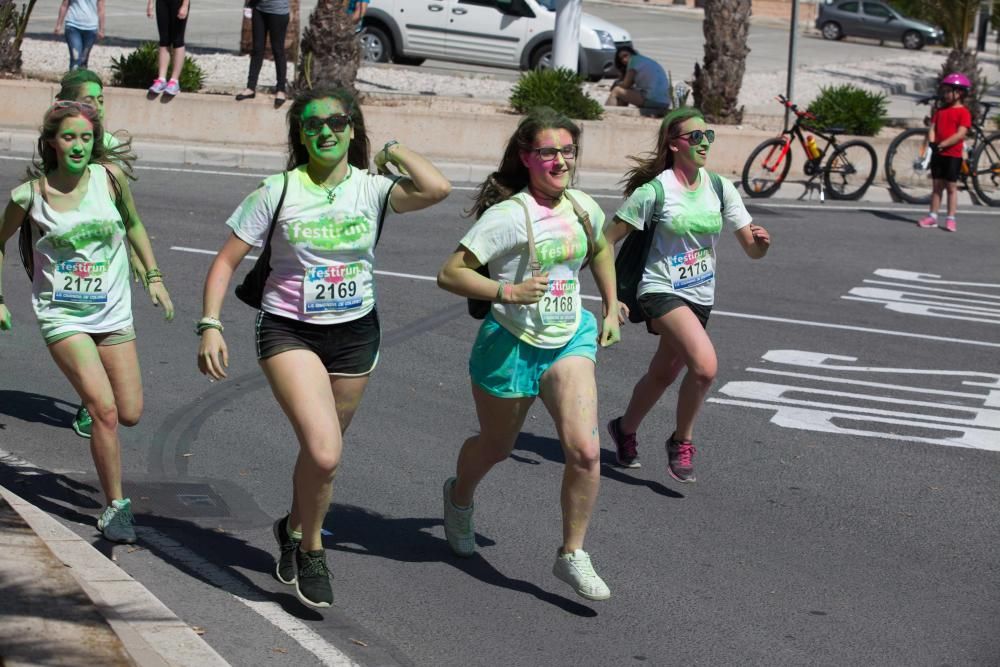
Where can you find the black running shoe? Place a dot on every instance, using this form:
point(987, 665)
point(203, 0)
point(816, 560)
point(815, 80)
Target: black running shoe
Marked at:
point(284, 568)
point(312, 580)
point(626, 446)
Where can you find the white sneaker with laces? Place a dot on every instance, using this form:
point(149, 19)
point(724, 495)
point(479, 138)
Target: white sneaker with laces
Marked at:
point(458, 524)
point(576, 570)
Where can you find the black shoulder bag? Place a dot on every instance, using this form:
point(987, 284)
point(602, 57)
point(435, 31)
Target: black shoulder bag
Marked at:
point(251, 290)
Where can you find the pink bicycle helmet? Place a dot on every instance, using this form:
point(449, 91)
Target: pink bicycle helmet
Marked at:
point(958, 80)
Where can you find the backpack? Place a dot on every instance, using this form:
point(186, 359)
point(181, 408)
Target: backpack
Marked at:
point(479, 308)
point(630, 263)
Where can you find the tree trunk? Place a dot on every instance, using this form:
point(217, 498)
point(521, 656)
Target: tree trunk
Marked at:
point(330, 53)
point(717, 82)
point(13, 22)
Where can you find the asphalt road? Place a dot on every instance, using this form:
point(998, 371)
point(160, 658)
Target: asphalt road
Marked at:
point(673, 38)
point(846, 510)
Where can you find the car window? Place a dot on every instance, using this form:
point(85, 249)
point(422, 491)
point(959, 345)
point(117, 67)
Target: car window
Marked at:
point(851, 7)
point(877, 10)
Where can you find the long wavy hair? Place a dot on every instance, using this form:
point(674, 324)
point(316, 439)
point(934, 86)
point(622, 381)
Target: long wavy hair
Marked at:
point(47, 161)
point(649, 165)
point(512, 176)
point(357, 152)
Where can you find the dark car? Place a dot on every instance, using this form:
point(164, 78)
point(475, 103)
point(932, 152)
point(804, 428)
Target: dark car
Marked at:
point(876, 20)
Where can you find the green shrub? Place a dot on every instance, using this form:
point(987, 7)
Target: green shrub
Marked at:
point(560, 89)
point(138, 69)
point(854, 109)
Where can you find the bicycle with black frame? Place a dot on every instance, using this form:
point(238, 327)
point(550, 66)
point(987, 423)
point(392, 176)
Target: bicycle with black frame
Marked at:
point(908, 162)
point(847, 172)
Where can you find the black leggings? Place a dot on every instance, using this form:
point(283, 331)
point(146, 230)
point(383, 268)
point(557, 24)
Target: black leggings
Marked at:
point(275, 25)
point(170, 27)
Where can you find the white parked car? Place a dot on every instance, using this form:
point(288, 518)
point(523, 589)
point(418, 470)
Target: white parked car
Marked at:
point(516, 34)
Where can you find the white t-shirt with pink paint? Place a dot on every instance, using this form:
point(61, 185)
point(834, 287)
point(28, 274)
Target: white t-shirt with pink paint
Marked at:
point(322, 251)
point(499, 239)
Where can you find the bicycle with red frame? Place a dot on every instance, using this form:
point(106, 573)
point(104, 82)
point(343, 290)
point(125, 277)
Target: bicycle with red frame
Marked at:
point(847, 172)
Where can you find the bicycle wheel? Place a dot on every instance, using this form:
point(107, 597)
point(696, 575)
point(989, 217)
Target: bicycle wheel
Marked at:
point(908, 167)
point(985, 170)
point(850, 170)
point(766, 168)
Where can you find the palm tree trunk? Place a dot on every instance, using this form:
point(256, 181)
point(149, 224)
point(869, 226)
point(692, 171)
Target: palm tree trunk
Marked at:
point(13, 23)
point(717, 82)
point(329, 53)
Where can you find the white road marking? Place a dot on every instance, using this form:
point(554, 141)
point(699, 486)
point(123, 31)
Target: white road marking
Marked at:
point(722, 313)
point(913, 294)
point(972, 423)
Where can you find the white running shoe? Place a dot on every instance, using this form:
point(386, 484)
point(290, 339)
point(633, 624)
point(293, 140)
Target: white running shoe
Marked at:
point(576, 570)
point(458, 524)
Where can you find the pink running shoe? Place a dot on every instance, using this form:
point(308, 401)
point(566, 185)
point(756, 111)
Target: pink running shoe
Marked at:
point(680, 459)
point(950, 225)
point(928, 222)
point(159, 85)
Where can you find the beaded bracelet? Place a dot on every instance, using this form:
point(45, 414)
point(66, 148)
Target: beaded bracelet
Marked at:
point(154, 273)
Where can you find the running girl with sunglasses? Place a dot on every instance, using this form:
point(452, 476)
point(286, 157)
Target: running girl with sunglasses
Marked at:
point(677, 289)
point(79, 210)
point(537, 339)
point(318, 329)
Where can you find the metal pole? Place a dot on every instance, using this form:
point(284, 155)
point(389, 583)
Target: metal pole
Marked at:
point(566, 45)
point(793, 39)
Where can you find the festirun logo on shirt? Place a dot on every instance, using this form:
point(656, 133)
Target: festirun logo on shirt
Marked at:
point(328, 233)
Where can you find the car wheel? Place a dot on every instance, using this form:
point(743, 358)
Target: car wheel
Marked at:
point(913, 40)
point(542, 57)
point(832, 30)
point(375, 45)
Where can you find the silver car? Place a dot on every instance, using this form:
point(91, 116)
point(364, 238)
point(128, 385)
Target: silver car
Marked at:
point(876, 20)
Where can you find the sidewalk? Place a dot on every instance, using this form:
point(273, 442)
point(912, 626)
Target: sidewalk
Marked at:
point(63, 603)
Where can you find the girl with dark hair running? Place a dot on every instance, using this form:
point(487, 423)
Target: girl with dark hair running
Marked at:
point(79, 210)
point(318, 329)
point(536, 340)
point(677, 289)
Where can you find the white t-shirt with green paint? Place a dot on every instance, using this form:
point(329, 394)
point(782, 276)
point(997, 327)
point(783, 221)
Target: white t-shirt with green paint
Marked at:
point(81, 273)
point(499, 239)
point(322, 252)
point(682, 256)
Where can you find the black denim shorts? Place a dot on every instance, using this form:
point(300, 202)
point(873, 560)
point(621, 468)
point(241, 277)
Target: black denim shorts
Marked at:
point(349, 349)
point(658, 304)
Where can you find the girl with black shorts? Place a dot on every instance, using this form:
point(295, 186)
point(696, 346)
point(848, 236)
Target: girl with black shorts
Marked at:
point(677, 289)
point(317, 332)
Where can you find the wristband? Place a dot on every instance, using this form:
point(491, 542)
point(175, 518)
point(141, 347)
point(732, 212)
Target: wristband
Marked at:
point(389, 144)
point(206, 323)
point(153, 273)
point(498, 297)
point(1, 300)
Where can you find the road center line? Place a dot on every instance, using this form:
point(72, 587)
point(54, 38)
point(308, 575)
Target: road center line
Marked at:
point(722, 313)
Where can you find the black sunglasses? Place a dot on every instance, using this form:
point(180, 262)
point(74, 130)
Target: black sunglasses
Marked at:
point(695, 136)
point(314, 124)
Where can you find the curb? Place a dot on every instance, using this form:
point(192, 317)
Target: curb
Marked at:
point(150, 632)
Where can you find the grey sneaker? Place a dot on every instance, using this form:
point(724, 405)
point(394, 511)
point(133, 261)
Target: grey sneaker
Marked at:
point(458, 524)
point(284, 568)
point(577, 571)
point(173, 88)
point(680, 459)
point(116, 522)
point(159, 85)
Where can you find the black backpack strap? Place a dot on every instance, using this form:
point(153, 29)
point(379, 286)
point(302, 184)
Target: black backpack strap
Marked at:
point(719, 192)
point(24, 240)
point(277, 210)
point(385, 208)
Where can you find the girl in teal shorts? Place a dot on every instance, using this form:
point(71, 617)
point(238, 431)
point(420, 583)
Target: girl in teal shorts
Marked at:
point(536, 340)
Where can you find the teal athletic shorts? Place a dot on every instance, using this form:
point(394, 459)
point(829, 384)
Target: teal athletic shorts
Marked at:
point(507, 367)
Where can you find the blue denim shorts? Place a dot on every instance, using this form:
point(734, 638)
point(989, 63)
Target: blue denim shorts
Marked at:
point(503, 365)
